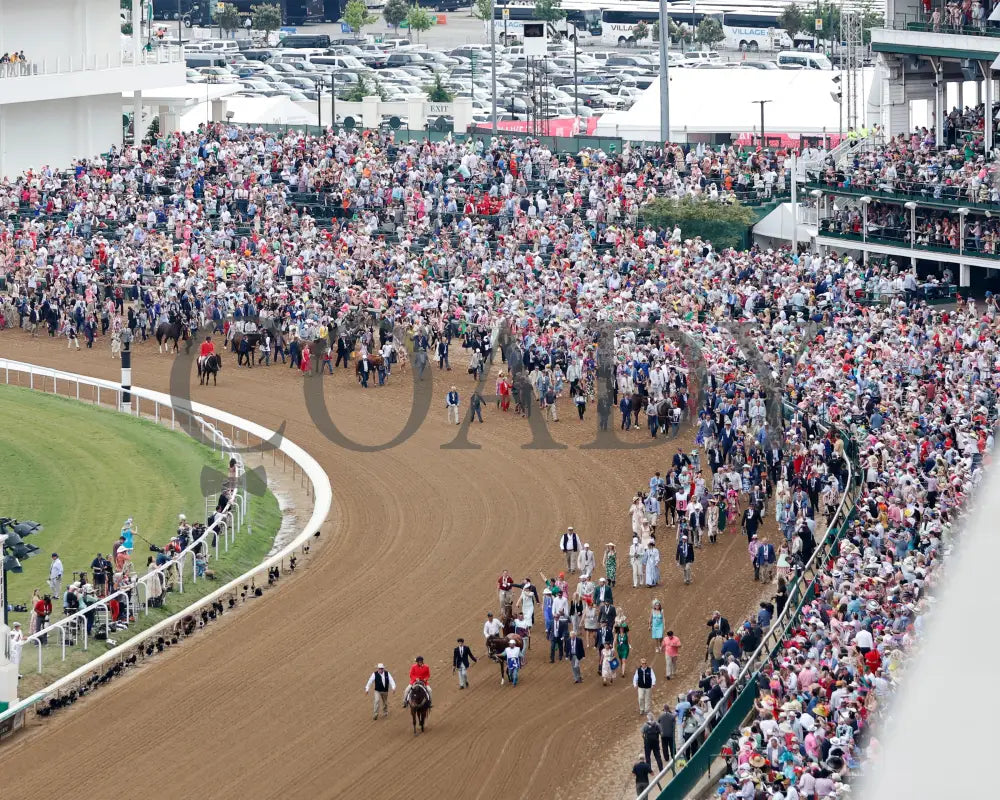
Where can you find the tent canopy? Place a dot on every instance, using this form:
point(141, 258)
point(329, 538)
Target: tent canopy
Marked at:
point(252, 110)
point(706, 101)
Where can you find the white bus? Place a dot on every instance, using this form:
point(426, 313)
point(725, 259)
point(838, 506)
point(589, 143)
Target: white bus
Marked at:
point(746, 26)
point(582, 20)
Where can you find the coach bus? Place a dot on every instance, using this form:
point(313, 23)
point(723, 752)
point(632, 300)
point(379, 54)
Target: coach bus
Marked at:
point(747, 26)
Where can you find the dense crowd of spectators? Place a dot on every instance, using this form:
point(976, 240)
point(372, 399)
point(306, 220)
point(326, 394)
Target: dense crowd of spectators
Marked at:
point(915, 166)
point(227, 222)
point(915, 388)
point(930, 228)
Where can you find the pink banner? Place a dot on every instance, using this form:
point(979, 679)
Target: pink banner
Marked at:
point(563, 126)
point(786, 140)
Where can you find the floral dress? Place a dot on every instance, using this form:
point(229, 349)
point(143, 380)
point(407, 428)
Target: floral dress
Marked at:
point(611, 567)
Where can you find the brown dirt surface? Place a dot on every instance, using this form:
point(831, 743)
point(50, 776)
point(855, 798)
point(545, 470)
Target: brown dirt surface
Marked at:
point(271, 704)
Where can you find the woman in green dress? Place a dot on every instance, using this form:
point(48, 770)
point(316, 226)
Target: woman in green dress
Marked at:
point(610, 563)
point(622, 646)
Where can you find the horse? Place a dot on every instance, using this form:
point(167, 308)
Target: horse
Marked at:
point(374, 362)
point(253, 339)
point(212, 367)
point(495, 647)
point(166, 331)
point(419, 703)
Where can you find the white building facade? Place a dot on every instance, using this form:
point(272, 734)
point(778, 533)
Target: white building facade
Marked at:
point(65, 101)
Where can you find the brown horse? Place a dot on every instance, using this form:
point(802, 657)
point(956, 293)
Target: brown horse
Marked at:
point(374, 362)
point(419, 705)
point(495, 646)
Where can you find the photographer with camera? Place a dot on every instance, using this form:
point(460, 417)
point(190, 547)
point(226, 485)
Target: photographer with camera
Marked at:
point(102, 574)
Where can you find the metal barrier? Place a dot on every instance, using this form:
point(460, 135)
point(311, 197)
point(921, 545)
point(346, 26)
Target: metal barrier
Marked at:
point(318, 487)
point(693, 761)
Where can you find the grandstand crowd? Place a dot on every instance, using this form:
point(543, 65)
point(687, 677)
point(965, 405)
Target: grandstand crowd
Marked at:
point(453, 237)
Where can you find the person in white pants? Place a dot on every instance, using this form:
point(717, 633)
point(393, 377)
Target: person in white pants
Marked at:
point(635, 553)
point(451, 401)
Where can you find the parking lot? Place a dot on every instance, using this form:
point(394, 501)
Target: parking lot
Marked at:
point(453, 58)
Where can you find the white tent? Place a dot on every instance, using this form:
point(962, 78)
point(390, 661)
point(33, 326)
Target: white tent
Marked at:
point(252, 110)
point(709, 101)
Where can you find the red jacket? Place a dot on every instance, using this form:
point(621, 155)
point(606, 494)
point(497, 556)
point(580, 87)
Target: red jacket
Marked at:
point(420, 672)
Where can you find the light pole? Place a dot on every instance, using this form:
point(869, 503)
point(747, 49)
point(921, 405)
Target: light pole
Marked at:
point(576, 73)
point(664, 73)
point(333, 103)
point(761, 103)
point(320, 85)
point(493, 60)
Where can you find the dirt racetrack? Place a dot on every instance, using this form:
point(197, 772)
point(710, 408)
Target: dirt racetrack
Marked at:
point(272, 704)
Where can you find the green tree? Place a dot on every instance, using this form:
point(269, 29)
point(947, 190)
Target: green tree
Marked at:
point(229, 18)
point(640, 31)
point(356, 15)
point(265, 17)
point(395, 12)
point(709, 31)
point(482, 9)
point(437, 92)
point(871, 17)
point(792, 20)
point(419, 20)
point(361, 90)
point(724, 225)
point(549, 10)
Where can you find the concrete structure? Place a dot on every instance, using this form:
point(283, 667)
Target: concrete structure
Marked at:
point(65, 101)
point(927, 72)
point(928, 65)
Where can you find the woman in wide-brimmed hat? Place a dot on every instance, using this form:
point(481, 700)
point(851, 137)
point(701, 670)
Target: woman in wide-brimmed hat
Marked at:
point(610, 563)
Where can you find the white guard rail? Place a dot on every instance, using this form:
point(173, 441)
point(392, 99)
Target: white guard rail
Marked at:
point(318, 486)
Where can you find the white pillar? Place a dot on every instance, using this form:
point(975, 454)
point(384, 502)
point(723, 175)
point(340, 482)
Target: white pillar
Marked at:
point(416, 113)
point(939, 102)
point(964, 278)
point(170, 120)
point(462, 113)
point(370, 112)
point(136, 30)
point(219, 110)
point(988, 127)
point(137, 117)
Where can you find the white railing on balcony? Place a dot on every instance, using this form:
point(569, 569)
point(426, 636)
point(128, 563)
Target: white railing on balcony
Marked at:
point(60, 65)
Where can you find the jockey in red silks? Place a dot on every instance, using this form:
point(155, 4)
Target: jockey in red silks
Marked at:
point(207, 349)
point(419, 672)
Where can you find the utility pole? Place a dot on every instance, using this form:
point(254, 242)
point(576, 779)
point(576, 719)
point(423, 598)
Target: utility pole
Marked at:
point(319, 103)
point(472, 76)
point(493, 58)
point(761, 103)
point(795, 204)
point(576, 75)
point(333, 103)
point(664, 74)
